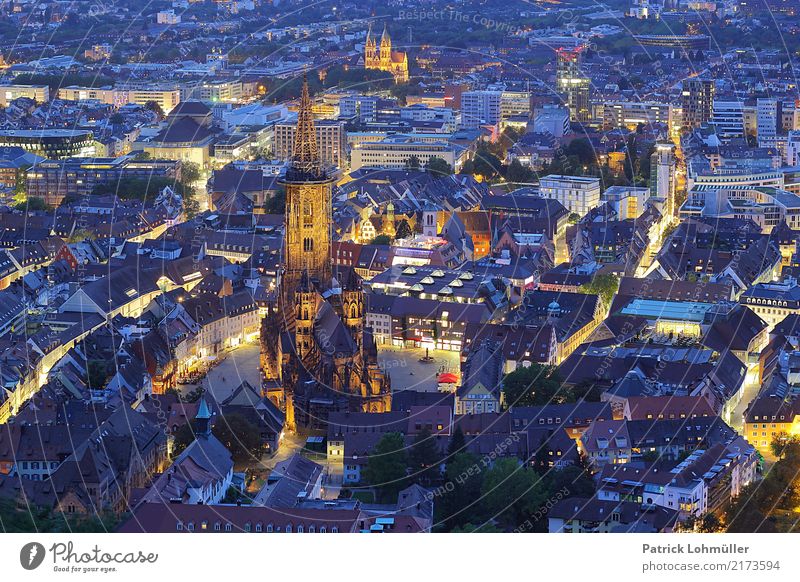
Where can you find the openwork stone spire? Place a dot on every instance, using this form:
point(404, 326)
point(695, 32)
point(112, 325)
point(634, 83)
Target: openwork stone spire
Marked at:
point(305, 158)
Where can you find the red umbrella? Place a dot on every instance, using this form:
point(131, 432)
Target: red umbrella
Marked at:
point(448, 378)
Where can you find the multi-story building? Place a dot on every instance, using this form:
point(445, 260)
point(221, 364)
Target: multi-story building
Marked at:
point(51, 143)
point(630, 114)
point(769, 118)
point(396, 151)
point(552, 120)
point(514, 103)
point(572, 84)
point(167, 97)
point(480, 108)
point(728, 118)
point(214, 91)
point(662, 175)
point(362, 107)
point(330, 141)
point(39, 93)
point(54, 180)
point(697, 101)
point(106, 95)
point(578, 194)
point(773, 302)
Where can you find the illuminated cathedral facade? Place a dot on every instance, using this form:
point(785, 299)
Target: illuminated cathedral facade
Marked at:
point(317, 355)
point(383, 58)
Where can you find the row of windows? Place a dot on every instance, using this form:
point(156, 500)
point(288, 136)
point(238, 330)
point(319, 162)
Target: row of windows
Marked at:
point(259, 527)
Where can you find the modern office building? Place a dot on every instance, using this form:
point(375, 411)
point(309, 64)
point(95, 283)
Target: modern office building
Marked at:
point(514, 103)
point(39, 93)
point(53, 180)
point(552, 120)
point(396, 151)
point(697, 101)
point(662, 174)
point(51, 143)
point(728, 118)
point(572, 84)
point(769, 118)
point(480, 108)
point(330, 141)
point(631, 114)
point(578, 194)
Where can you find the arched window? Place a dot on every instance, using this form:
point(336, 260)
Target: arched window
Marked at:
point(300, 528)
point(288, 528)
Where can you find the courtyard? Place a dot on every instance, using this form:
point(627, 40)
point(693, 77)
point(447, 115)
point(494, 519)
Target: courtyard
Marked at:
point(407, 372)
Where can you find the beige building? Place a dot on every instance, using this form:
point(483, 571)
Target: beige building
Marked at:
point(107, 95)
point(39, 93)
point(331, 139)
point(396, 151)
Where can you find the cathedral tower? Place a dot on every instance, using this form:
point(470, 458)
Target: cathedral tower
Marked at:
point(308, 205)
point(386, 48)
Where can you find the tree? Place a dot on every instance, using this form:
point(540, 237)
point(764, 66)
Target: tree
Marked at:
point(190, 173)
point(413, 163)
point(240, 437)
point(782, 443)
point(33, 203)
point(471, 528)
point(42, 519)
point(97, 374)
point(182, 438)
point(517, 173)
point(155, 108)
point(573, 218)
point(603, 285)
point(457, 443)
point(424, 458)
point(382, 239)
point(403, 230)
point(631, 158)
point(437, 166)
point(459, 503)
point(485, 163)
point(709, 523)
point(387, 467)
point(276, 204)
point(510, 493)
point(583, 150)
point(533, 386)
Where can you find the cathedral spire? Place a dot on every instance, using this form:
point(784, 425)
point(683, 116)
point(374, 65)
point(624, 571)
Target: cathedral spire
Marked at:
point(385, 38)
point(305, 154)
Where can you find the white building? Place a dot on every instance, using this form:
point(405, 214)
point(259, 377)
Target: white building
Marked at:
point(578, 194)
point(552, 120)
point(728, 118)
point(769, 115)
point(480, 108)
point(396, 151)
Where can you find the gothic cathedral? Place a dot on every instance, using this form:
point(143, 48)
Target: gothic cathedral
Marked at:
point(384, 58)
point(317, 355)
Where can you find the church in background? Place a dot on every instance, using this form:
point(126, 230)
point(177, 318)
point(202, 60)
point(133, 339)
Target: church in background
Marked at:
point(383, 58)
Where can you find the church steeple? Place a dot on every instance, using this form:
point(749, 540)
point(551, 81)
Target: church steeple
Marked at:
point(202, 420)
point(305, 153)
point(308, 206)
